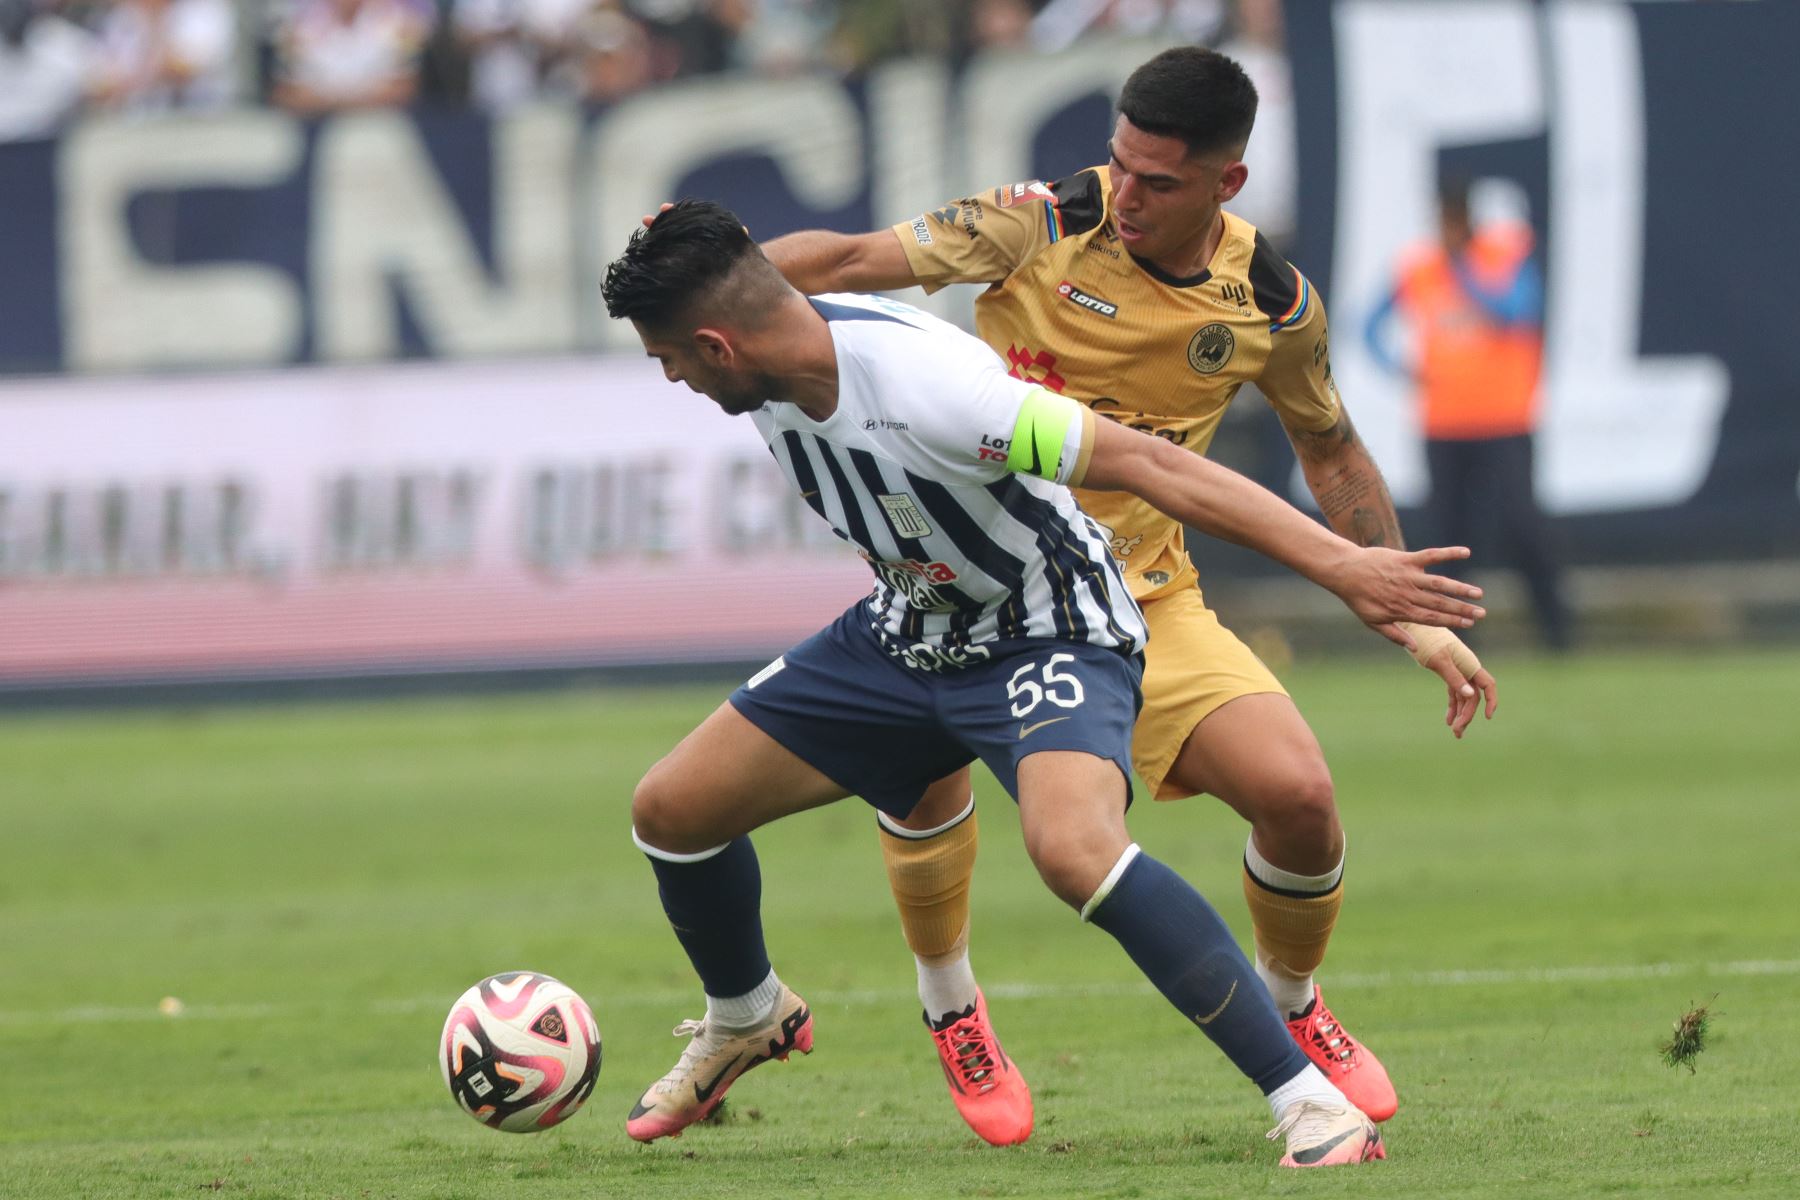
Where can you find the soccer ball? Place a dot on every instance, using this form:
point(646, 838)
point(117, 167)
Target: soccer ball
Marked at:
point(520, 1052)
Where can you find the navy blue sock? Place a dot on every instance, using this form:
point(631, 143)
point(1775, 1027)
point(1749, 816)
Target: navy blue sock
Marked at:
point(1178, 941)
point(715, 906)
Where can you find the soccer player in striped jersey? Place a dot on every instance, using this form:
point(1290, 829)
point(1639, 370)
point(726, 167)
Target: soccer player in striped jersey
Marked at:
point(999, 628)
point(1128, 288)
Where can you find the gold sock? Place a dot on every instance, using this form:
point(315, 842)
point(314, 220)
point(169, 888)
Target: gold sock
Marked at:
point(1291, 931)
point(930, 878)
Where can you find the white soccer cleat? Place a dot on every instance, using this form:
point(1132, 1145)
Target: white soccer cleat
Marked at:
point(713, 1061)
point(1327, 1135)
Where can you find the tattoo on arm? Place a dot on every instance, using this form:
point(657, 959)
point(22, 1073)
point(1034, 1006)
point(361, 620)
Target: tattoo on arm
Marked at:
point(1347, 484)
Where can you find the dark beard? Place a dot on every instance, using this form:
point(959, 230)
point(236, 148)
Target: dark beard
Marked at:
point(754, 392)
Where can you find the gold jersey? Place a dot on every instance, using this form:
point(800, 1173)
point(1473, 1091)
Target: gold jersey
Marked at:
point(1070, 308)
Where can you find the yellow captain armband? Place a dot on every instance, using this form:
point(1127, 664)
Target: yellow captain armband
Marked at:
point(1052, 439)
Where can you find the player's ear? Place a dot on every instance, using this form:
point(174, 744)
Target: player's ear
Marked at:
point(1232, 180)
point(714, 348)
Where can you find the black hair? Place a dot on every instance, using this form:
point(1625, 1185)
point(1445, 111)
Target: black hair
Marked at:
point(685, 256)
point(1195, 94)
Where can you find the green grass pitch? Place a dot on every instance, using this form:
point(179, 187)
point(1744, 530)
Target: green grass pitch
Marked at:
point(1528, 912)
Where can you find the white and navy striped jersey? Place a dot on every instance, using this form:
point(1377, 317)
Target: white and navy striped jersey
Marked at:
point(912, 470)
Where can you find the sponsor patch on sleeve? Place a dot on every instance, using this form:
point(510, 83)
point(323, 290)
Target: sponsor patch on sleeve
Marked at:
point(1021, 193)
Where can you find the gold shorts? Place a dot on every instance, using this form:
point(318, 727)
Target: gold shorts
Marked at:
point(1192, 665)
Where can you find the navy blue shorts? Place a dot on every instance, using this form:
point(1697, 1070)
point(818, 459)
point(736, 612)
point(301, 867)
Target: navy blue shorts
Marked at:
point(845, 703)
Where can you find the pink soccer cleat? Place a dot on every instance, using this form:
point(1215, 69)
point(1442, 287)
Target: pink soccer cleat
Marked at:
point(1352, 1069)
point(989, 1091)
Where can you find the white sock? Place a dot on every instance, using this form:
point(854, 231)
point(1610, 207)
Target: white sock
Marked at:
point(1309, 1084)
point(946, 988)
point(1291, 993)
point(748, 1010)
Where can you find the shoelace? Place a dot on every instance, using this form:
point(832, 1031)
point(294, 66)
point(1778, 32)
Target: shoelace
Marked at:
point(688, 1029)
point(1309, 1120)
point(1330, 1037)
point(969, 1049)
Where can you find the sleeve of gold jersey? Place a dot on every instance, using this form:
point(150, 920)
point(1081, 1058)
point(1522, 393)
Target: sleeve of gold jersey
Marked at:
point(1297, 377)
point(978, 240)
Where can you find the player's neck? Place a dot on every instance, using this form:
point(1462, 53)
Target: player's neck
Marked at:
point(1185, 262)
point(802, 358)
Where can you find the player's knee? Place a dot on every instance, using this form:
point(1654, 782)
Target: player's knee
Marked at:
point(1301, 801)
point(1071, 862)
point(661, 819)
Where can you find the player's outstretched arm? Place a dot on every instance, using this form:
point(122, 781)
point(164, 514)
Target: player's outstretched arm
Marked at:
point(1382, 587)
point(1354, 499)
point(817, 260)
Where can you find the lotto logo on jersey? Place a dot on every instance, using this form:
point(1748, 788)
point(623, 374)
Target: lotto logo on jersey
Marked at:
point(993, 448)
point(1022, 193)
point(1105, 308)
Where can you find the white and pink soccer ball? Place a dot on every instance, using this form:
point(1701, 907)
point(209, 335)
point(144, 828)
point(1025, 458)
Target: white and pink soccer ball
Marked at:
point(520, 1052)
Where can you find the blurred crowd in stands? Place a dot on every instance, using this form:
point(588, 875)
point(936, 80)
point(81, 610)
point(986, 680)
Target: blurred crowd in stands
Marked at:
point(62, 58)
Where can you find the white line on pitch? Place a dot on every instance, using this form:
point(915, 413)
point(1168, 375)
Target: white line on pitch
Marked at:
point(102, 1014)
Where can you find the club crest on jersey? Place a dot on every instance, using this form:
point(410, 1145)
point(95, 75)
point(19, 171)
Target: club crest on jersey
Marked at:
point(1105, 308)
point(905, 516)
point(1210, 349)
point(1020, 193)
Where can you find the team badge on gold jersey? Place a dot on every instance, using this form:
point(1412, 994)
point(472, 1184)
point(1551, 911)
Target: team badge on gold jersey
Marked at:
point(1211, 348)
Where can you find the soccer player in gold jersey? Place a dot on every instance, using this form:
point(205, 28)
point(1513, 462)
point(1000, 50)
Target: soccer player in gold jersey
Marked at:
point(1128, 287)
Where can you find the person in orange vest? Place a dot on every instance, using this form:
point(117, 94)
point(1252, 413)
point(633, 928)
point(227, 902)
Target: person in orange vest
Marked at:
point(1475, 303)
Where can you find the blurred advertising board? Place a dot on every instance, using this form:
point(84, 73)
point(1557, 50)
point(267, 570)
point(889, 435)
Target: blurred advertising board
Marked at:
point(255, 239)
point(345, 521)
point(285, 500)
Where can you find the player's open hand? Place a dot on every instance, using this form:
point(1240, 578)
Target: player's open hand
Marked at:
point(650, 218)
point(1385, 587)
point(1444, 654)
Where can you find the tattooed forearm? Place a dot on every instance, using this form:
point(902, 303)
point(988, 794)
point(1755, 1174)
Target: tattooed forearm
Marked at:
point(1369, 527)
point(1348, 485)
